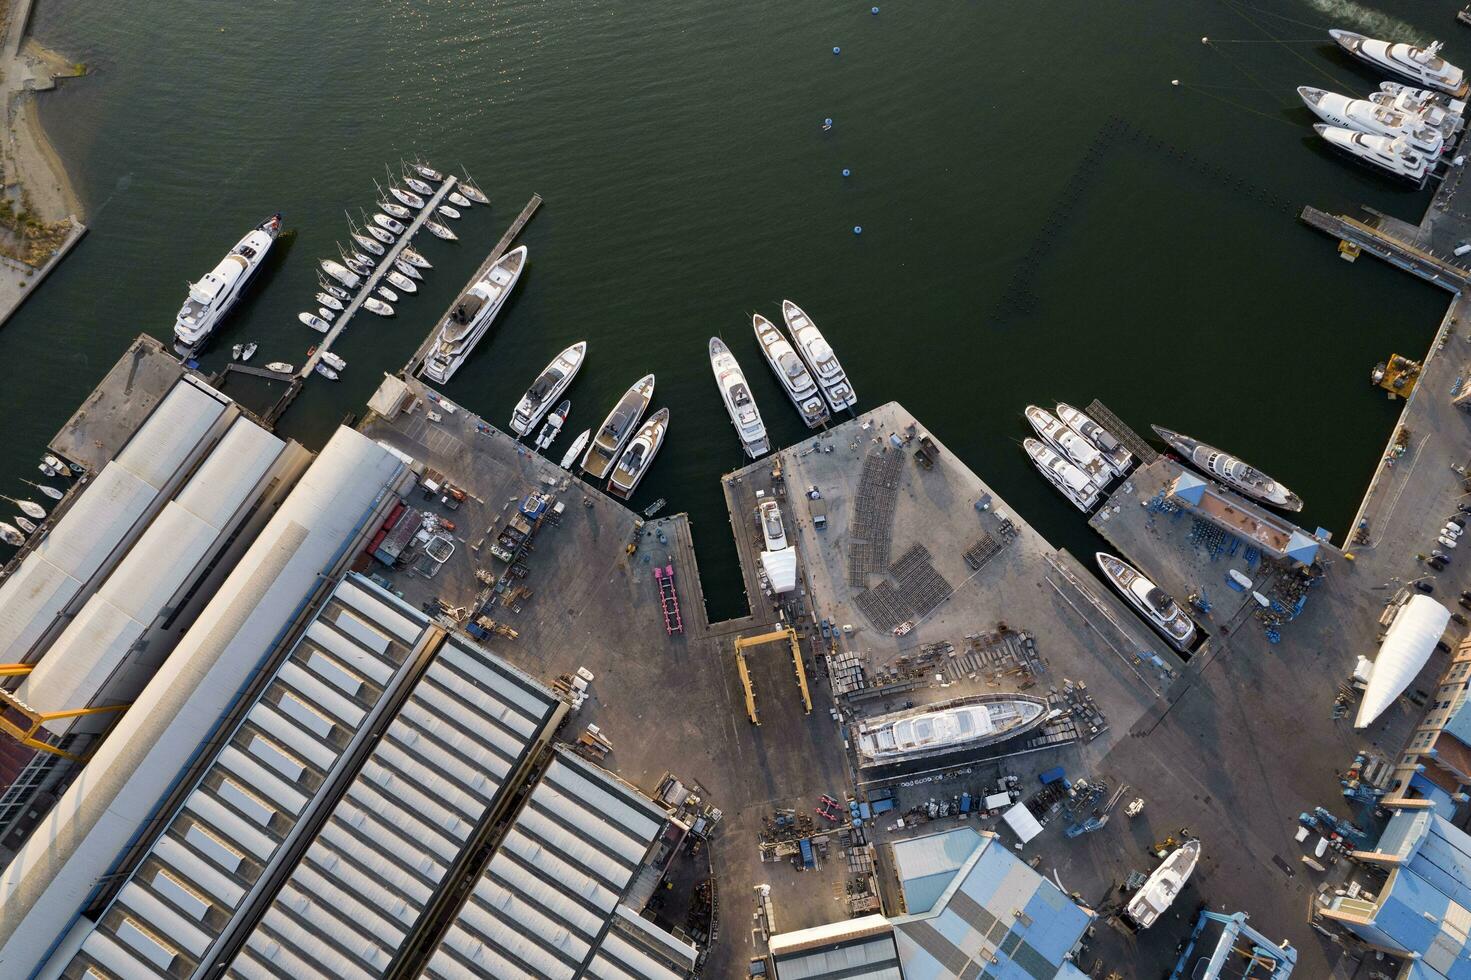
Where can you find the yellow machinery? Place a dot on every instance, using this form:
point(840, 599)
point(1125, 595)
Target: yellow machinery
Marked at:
point(788, 634)
point(21, 722)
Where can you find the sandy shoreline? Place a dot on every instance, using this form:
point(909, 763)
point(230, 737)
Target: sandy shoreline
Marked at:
point(30, 159)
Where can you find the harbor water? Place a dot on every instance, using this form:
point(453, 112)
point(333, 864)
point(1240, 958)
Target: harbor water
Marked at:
point(1044, 215)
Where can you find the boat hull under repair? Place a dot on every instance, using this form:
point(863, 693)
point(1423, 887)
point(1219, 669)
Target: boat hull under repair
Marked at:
point(960, 725)
point(1235, 473)
point(1161, 889)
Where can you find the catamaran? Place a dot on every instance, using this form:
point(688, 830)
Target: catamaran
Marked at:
point(472, 315)
point(212, 296)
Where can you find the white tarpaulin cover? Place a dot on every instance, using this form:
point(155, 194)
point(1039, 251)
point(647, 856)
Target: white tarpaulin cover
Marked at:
point(1403, 654)
point(781, 569)
point(1020, 820)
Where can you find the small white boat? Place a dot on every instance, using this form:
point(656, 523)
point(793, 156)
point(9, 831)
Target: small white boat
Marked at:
point(377, 306)
point(313, 321)
point(10, 535)
point(328, 300)
point(428, 172)
point(359, 268)
point(280, 367)
point(379, 234)
point(402, 282)
point(1390, 155)
point(24, 525)
point(639, 455)
point(333, 361)
point(1161, 888)
point(341, 273)
point(407, 269)
point(51, 492)
point(458, 199)
point(235, 352)
point(473, 193)
point(413, 258)
point(60, 467)
point(448, 211)
point(326, 372)
point(407, 197)
point(371, 244)
point(440, 231)
point(326, 314)
point(1235, 473)
point(388, 224)
point(47, 469)
point(337, 291)
point(418, 185)
point(1423, 66)
point(575, 450)
point(388, 294)
point(397, 210)
point(249, 351)
point(553, 426)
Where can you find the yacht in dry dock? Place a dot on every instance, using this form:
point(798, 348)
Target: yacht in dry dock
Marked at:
point(819, 357)
point(639, 455)
point(1079, 451)
point(1162, 611)
point(1391, 155)
point(547, 388)
point(1423, 66)
point(965, 723)
point(617, 428)
point(795, 379)
point(736, 393)
point(1231, 471)
point(1164, 886)
point(472, 315)
point(1365, 116)
point(212, 296)
point(1119, 458)
point(1070, 481)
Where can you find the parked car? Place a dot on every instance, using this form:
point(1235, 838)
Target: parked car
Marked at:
point(1437, 563)
point(1424, 586)
point(1457, 521)
point(1447, 540)
point(1461, 620)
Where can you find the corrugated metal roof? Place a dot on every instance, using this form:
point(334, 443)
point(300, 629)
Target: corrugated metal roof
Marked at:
point(854, 949)
point(439, 767)
point(57, 869)
point(164, 442)
point(926, 865)
point(232, 469)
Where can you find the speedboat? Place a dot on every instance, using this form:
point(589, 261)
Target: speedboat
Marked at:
point(235, 352)
point(371, 244)
point(414, 259)
point(448, 211)
point(333, 360)
point(1392, 155)
point(330, 301)
point(556, 418)
point(388, 224)
point(407, 269)
point(795, 379)
point(639, 455)
point(407, 197)
point(402, 282)
point(213, 295)
point(11, 535)
point(1079, 451)
point(1156, 605)
point(377, 306)
point(388, 294)
point(1424, 66)
point(379, 234)
point(314, 321)
point(736, 393)
point(249, 351)
point(428, 172)
point(960, 724)
point(280, 367)
point(1368, 117)
point(415, 184)
point(440, 231)
point(819, 357)
point(1161, 888)
point(397, 210)
point(472, 315)
point(326, 372)
point(1231, 471)
point(1070, 481)
point(547, 388)
point(574, 450)
point(458, 199)
point(473, 193)
point(326, 314)
point(617, 428)
point(1119, 458)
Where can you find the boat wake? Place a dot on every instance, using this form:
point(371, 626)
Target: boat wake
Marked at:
point(1367, 20)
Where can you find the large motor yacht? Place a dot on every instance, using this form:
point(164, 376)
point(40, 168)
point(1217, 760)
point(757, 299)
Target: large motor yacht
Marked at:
point(547, 388)
point(736, 393)
point(1424, 66)
point(966, 723)
point(617, 428)
point(212, 296)
point(1079, 451)
point(472, 315)
point(639, 455)
point(789, 369)
point(1119, 458)
point(1161, 889)
point(1070, 481)
point(1430, 108)
point(1235, 473)
point(1391, 155)
point(1156, 605)
point(1366, 116)
point(819, 357)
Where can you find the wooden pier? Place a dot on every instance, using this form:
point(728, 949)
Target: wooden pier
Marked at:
point(510, 236)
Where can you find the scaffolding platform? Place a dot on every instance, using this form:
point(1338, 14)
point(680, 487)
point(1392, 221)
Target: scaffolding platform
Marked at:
point(669, 599)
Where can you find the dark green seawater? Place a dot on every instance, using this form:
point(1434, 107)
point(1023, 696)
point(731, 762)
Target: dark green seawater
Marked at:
point(1044, 215)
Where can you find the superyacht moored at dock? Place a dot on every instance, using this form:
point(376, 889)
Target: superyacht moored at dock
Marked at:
point(1078, 451)
point(965, 723)
point(1391, 155)
point(547, 388)
point(617, 428)
point(1119, 458)
point(735, 391)
point(1233, 472)
point(212, 296)
point(472, 315)
point(1070, 481)
point(790, 370)
point(1365, 116)
point(639, 455)
point(1423, 66)
point(1431, 108)
point(819, 356)
point(1154, 603)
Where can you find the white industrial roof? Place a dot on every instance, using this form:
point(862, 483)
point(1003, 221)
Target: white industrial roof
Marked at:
point(164, 442)
point(185, 890)
point(851, 949)
point(233, 468)
point(59, 867)
point(544, 905)
point(781, 569)
point(1403, 654)
point(438, 769)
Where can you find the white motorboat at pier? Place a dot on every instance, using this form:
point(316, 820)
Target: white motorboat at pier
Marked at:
point(211, 298)
point(1119, 458)
point(472, 315)
point(1079, 451)
point(819, 356)
point(1156, 605)
point(1070, 481)
point(791, 371)
point(574, 450)
point(735, 391)
point(547, 388)
point(556, 418)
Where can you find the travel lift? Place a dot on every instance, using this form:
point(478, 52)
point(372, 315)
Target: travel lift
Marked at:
point(785, 633)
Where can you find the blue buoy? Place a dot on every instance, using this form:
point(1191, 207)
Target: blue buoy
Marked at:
point(837, 50)
point(827, 123)
point(847, 172)
point(874, 11)
point(857, 229)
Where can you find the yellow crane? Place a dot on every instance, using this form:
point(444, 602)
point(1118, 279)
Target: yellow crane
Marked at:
point(743, 642)
point(21, 722)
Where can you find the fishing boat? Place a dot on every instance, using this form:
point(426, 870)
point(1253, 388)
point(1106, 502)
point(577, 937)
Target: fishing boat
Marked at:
point(472, 314)
point(333, 361)
point(448, 211)
point(617, 428)
point(574, 450)
point(388, 224)
point(639, 455)
point(24, 524)
point(326, 372)
point(10, 535)
point(1156, 605)
point(413, 258)
point(397, 210)
point(1231, 471)
point(790, 370)
point(1423, 66)
point(249, 351)
point(739, 404)
point(418, 186)
point(379, 234)
point(371, 244)
point(211, 298)
point(1077, 450)
point(960, 724)
point(556, 418)
point(473, 193)
point(819, 357)
point(1070, 481)
point(655, 507)
point(401, 282)
point(377, 306)
point(1394, 156)
point(408, 198)
point(407, 269)
point(458, 199)
point(440, 231)
point(1119, 458)
point(1369, 117)
point(387, 294)
point(314, 321)
point(428, 172)
point(330, 301)
point(51, 492)
point(547, 388)
point(1161, 888)
point(280, 367)
point(337, 291)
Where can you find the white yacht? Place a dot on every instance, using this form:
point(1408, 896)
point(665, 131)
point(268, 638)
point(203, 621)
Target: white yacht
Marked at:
point(212, 296)
point(935, 729)
point(773, 532)
point(795, 379)
point(1431, 109)
point(819, 357)
point(1079, 451)
point(556, 418)
point(1158, 607)
point(472, 315)
point(1072, 482)
point(639, 455)
point(617, 428)
point(574, 450)
point(736, 393)
point(1119, 458)
point(1423, 66)
point(547, 388)
point(1391, 155)
point(1161, 888)
point(1376, 120)
point(1424, 96)
point(1231, 471)
point(341, 273)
